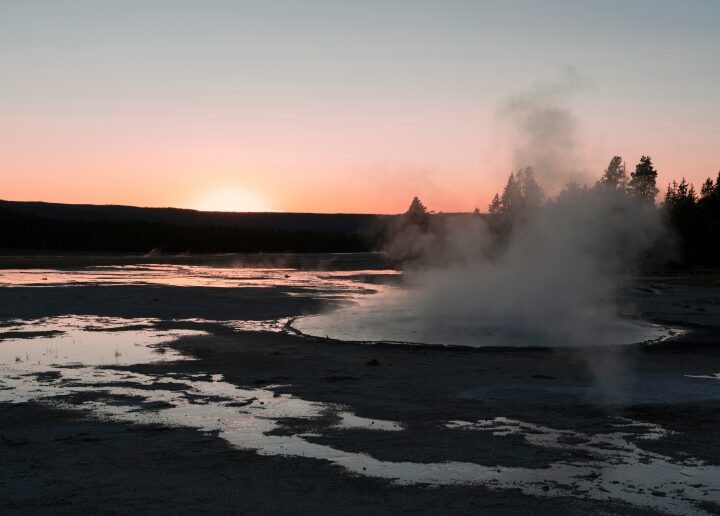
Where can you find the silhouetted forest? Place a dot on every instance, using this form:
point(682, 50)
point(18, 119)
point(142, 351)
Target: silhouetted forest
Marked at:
point(696, 220)
point(27, 231)
point(693, 219)
point(320, 222)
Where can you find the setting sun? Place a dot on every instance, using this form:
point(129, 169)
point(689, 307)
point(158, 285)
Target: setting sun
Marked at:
point(230, 199)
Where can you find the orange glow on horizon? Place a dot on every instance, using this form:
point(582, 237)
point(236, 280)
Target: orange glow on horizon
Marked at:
point(319, 172)
point(229, 199)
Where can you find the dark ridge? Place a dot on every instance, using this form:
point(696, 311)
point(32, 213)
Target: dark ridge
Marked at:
point(320, 222)
point(31, 231)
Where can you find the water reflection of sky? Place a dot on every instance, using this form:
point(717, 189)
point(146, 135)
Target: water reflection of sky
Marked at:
point(192, 276)
point(84, 340)
point(56, 361)
point(392, 316)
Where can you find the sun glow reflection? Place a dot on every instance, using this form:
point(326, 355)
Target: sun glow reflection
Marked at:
point(230, 199)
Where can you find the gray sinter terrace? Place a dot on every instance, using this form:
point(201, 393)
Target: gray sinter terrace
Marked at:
point(585, 422)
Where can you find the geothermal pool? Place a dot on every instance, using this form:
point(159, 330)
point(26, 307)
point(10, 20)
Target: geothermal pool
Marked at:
point(417, 313)
point(386, 317)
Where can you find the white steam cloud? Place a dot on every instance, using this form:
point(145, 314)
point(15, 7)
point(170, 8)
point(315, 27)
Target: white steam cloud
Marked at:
point(550, 280)
point(553, 283)
point(544, 130)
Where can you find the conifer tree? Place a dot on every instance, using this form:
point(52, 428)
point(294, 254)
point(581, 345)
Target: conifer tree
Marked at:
point(495, 205)
point(417, 213)
point(643, 180)
point(615, 177)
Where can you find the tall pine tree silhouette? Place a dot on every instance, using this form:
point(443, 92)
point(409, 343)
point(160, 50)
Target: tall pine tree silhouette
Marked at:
point(643, 182)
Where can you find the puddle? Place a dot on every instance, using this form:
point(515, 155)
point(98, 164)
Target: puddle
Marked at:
point(58, 364)
point(621, 470)
point(266, 325)
point(715, 376)
point(325, 283)
point(84, 340)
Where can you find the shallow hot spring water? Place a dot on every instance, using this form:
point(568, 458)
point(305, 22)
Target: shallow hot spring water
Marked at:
point(392, 316)
point(80, 363)
point(377, 312)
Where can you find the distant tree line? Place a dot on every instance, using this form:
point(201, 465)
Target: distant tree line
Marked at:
point(522, 191)
point(693, 217)
point(24, 231)
point(696, 219)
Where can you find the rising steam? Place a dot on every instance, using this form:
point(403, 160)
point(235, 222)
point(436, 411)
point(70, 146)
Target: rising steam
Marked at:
point(546, 276)
point(544, 130)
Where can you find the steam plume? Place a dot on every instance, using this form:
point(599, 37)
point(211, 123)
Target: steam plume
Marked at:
point(546, 276)
point(544, 130)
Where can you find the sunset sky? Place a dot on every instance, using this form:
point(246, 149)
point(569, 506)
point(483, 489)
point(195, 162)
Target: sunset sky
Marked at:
point(340, 106)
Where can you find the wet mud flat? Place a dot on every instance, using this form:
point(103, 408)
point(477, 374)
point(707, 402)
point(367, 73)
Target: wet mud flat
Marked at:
point(230, 411)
